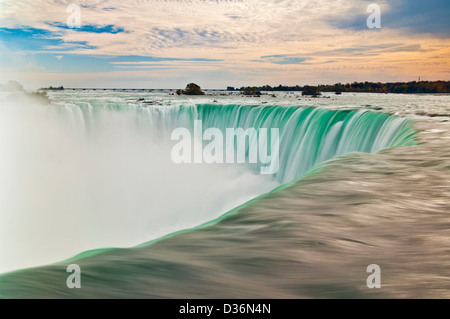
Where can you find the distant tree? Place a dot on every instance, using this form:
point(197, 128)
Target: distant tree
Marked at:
point(311, 90)
point(251, 91)
point(397, 87)
point(51, 88)
point(191, 89)
point(266, 88)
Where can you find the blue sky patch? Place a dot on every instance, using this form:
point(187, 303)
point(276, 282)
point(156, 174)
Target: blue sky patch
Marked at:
point(110, 28)
point(33, 39)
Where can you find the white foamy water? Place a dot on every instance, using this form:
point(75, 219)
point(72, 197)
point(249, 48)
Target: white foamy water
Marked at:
point(73, 181)
point(83, 174)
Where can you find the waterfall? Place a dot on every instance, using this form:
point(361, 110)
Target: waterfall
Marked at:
point(96, 173)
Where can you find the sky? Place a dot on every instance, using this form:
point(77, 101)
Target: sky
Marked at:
point(220, 43)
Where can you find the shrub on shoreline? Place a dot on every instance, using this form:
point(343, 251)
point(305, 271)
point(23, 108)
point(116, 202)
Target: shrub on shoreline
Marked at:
point(311, 90)
point(191, 89)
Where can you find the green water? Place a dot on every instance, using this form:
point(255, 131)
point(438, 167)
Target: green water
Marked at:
point(308, 137)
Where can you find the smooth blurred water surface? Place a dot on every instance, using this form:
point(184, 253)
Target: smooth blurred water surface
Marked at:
point(312, 238)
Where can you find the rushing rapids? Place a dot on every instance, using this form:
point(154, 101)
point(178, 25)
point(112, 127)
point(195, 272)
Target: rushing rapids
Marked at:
point(100, 168)
point(94, 170)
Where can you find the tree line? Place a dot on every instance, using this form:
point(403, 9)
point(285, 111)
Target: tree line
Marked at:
point(370, 87)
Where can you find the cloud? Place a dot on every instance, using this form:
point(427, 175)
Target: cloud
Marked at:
point(411, 16)
point(418, 16)
point(283, 59)
point(372, 50)
point(210, 36)
point(84, 63)
point(290, 40)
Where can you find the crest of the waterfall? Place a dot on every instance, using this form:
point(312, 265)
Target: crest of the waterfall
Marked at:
point(88, 175)
point(310, 136)
point(92, 172)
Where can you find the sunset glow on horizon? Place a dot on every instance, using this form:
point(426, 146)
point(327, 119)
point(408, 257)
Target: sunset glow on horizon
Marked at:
point(166, 44)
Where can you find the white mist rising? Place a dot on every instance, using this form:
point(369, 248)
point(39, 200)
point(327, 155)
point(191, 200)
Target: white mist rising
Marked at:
point(72, 182)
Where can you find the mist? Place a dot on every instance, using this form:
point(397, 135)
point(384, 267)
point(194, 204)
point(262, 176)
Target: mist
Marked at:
point(75, 179)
